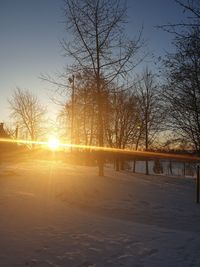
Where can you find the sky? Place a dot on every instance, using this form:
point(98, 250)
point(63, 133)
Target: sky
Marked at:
point(30, 34)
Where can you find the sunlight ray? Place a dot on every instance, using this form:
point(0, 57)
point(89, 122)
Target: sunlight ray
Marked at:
point(141, 154)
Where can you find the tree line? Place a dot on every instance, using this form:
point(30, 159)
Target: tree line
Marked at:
point(104, 104)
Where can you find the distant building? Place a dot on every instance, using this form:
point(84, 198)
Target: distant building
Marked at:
point(5, 146)
point(3, 133)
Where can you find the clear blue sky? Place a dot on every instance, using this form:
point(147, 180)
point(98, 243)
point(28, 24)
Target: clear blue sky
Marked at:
point(30, 31)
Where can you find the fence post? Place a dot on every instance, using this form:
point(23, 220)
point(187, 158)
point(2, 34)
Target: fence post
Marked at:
point(197, 185)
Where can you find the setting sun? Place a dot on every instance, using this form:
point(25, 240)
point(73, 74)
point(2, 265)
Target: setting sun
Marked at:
point(53, 143)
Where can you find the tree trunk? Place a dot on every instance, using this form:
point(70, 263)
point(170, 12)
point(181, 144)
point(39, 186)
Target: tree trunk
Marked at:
point(147, 167)
point(117, 164)
point(100, 137)
point(122, 164)
point(136, 148)
point(134, 165)
point(170, 168)
point(184, 169)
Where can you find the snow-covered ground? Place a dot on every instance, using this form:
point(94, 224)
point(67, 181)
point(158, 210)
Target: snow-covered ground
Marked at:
point(54, 214)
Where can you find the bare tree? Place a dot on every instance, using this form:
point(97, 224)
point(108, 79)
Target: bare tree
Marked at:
point(99, 46)
point(150, 109)
point(192, 19)
point(27, 113)
point(181, 70)
point(182, 90)
point(85, 111)
point(121, 126)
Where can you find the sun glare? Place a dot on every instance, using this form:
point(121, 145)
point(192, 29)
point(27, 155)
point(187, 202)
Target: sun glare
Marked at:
point(53, 143)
